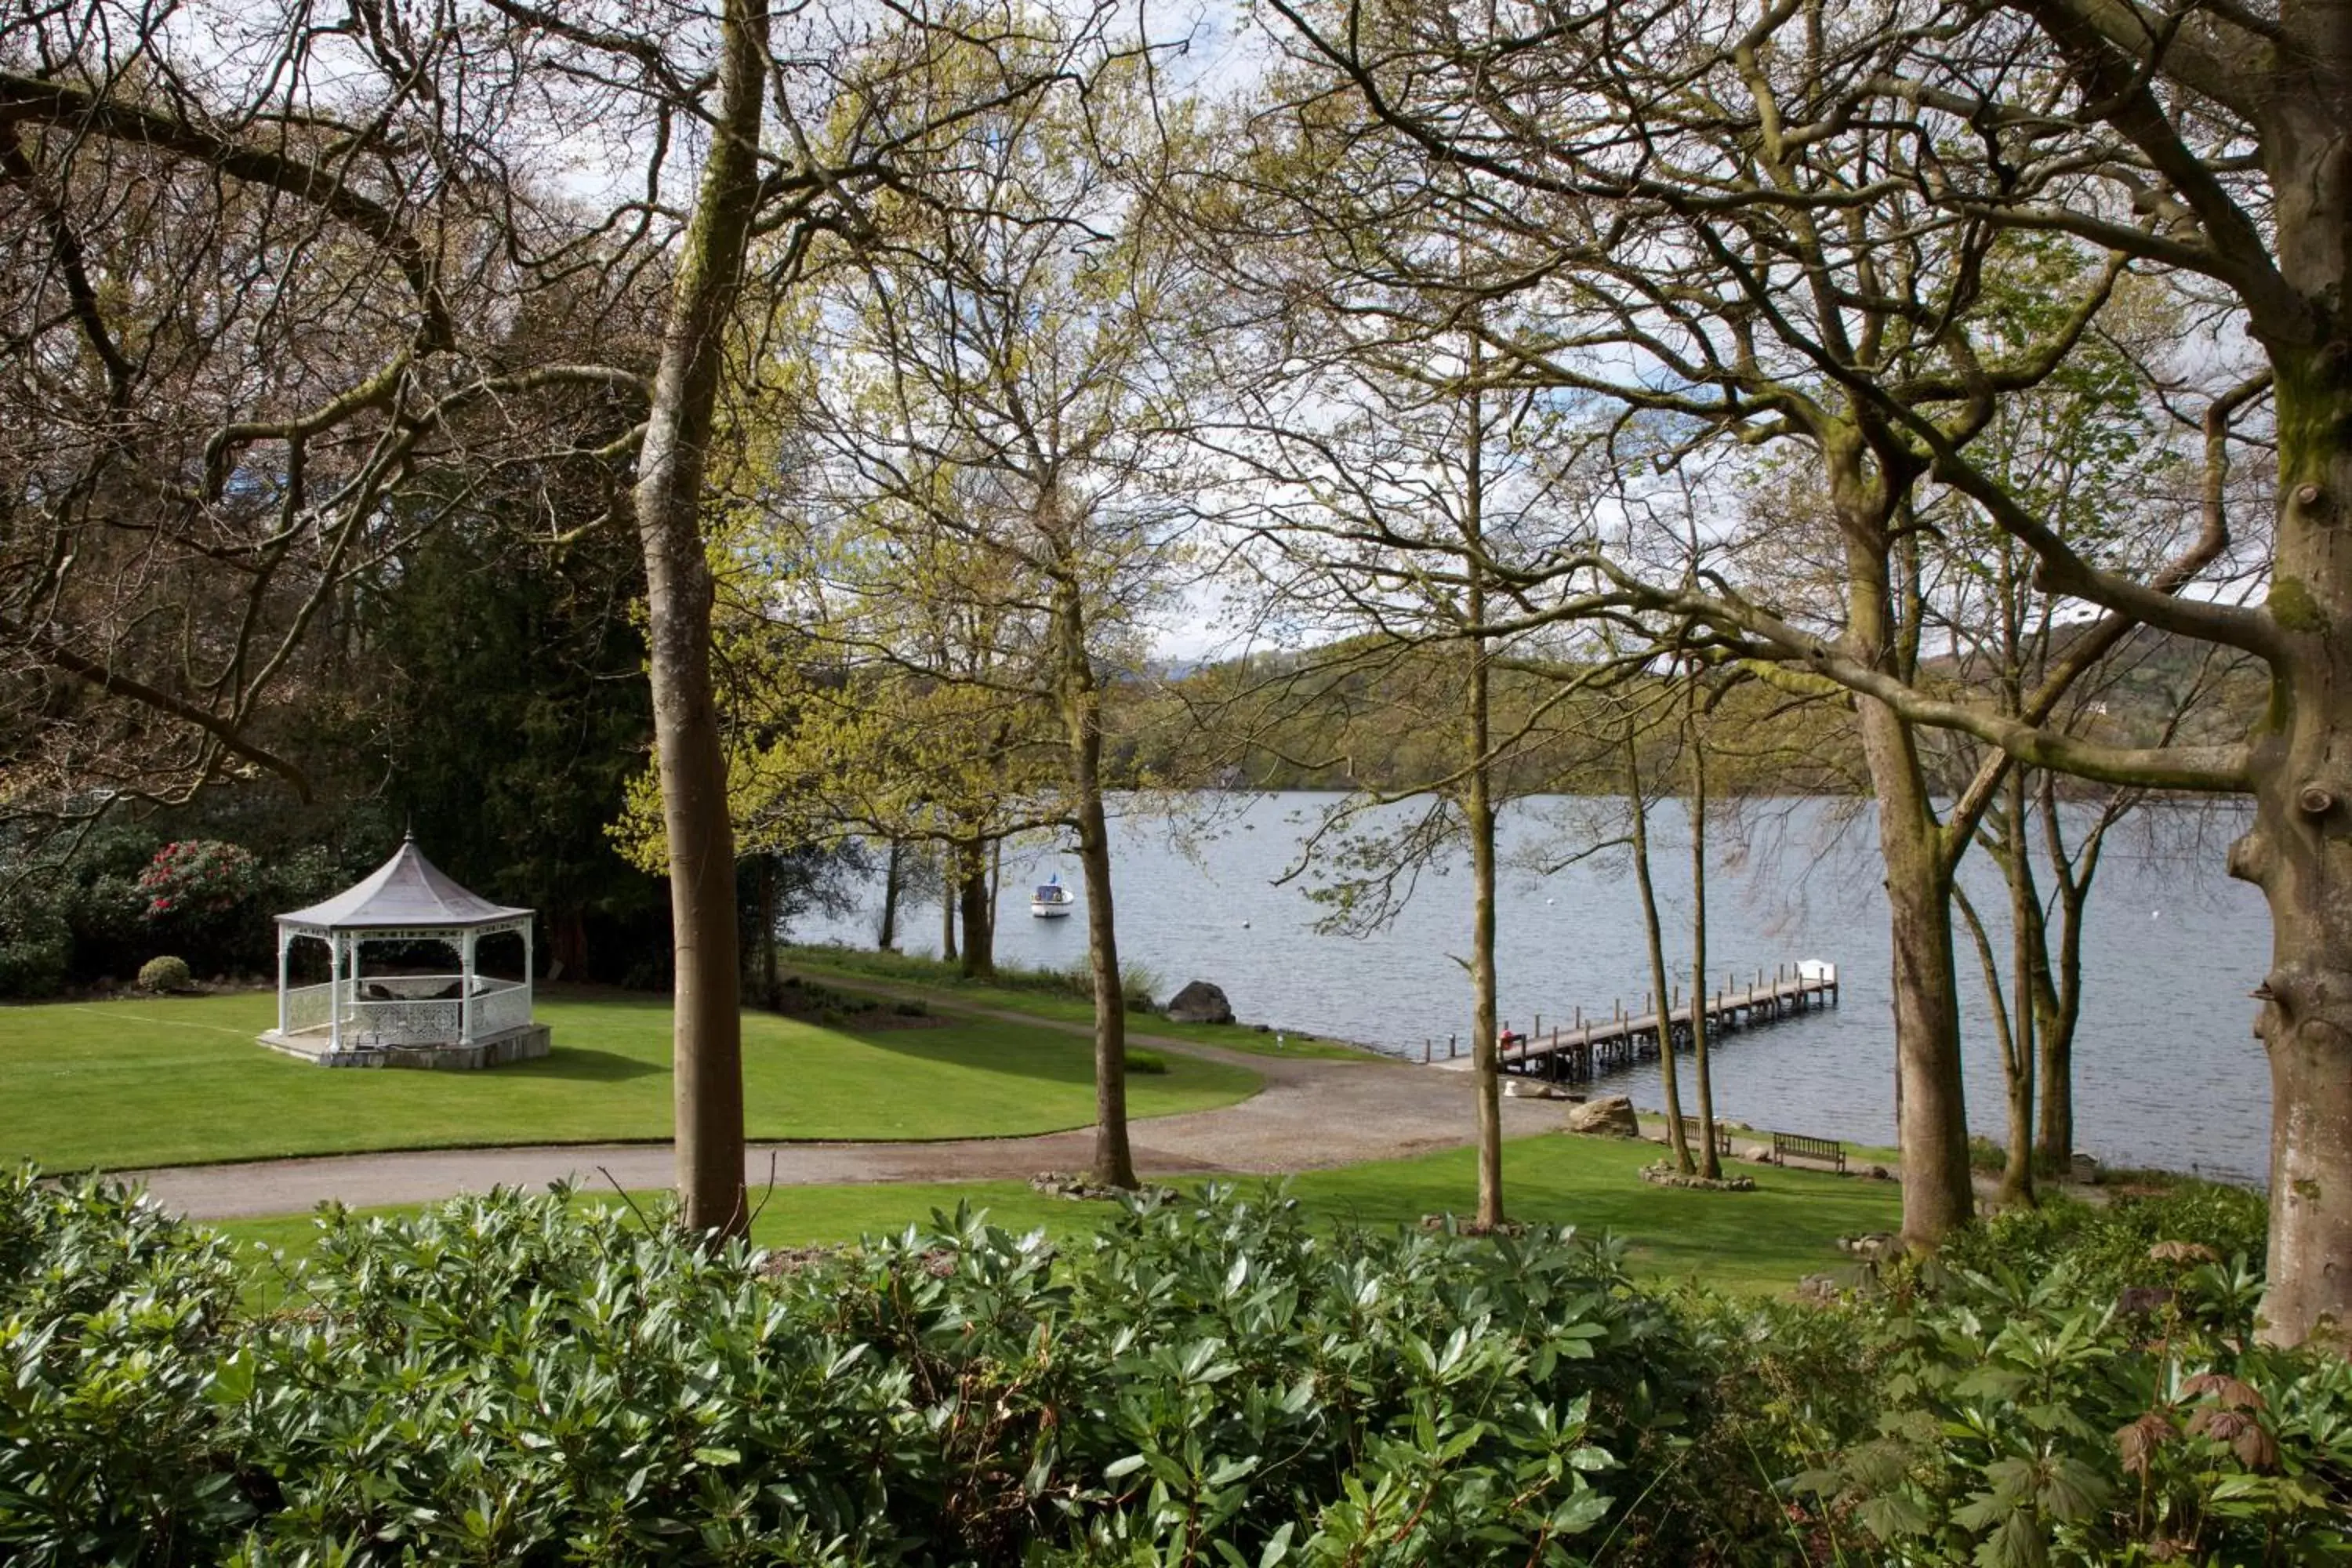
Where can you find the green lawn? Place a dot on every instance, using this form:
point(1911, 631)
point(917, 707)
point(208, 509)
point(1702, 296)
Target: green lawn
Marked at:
point(1763, 1240)
point(157, 1081)
point(849, 967)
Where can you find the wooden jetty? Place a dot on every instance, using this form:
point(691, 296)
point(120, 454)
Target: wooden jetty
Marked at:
point(1580, 1052)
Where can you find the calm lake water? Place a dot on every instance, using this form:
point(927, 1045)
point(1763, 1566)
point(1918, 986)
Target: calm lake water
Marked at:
point(2166, 1069)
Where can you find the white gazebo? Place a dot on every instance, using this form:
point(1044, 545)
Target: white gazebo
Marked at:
point(459, 1019)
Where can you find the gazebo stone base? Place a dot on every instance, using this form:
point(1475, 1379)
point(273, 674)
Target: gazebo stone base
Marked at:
point(515, 1045)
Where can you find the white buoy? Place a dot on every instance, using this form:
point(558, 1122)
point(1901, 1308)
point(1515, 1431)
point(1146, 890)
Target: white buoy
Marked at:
point(1244, 925)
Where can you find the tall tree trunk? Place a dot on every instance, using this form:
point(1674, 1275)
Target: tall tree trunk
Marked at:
point(708, 1041)
point(2017, 1019)
point(1661, 988)
point(2299, 851)
point(2060, 994)
point(1082, 724)
point(979, 913)
point(1478, 810)
point(2028, 947)
point(887, 937)
point(947, 904)
point(1932, 1103)
point(1710, 1163)
point(1485, 1023)
point(2004, 1030)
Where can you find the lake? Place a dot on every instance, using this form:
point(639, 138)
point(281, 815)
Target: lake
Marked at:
point(2168, 1072)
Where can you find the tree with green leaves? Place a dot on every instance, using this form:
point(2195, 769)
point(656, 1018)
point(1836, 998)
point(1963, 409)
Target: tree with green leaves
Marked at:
point(998, 382)
point(1773, 280)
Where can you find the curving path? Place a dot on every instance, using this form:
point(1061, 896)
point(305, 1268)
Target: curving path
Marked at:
point(1310, 1114)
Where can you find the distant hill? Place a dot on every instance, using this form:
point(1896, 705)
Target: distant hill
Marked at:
point(1388, 716)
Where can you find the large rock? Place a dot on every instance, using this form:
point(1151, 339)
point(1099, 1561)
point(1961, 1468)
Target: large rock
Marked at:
point(1872, 1247)
point(1200, 1002)
point(1610, 1118)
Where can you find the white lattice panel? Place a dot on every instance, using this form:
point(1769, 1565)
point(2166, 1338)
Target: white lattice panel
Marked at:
point(310, 1008)
point(509, 1009)
point(404, 1023)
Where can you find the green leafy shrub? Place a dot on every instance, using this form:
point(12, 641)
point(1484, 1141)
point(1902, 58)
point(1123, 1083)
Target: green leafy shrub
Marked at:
point(505, 1380)
point(81, 905)
point(2107, 1243)
point(2023, 1424)
point(165, 973)
point(1207, 1382)
point(35, 946)
point(2075, 1386)
point(114, 1320)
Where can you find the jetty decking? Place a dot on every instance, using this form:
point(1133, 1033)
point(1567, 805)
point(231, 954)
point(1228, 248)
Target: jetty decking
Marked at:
point(1581, 1051)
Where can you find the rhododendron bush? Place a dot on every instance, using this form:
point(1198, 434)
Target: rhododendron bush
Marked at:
point(196, 877)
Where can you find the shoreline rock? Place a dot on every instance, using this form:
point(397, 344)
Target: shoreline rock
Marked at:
point(1199, 1003)
point(1611, 1117)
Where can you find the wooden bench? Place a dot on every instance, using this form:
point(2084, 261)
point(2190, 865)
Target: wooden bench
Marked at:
point(1824, 1148)
point(1722, 1135)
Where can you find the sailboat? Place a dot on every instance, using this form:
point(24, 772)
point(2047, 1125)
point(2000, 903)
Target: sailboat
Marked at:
point(1051, 900)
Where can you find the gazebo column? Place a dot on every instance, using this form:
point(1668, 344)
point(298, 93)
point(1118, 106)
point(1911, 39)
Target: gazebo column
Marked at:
point(335, 991)
point(527, 972)
point(284, 941)
point(466, 988)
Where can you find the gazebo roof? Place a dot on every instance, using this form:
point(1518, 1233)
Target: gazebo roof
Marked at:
point(408, 892)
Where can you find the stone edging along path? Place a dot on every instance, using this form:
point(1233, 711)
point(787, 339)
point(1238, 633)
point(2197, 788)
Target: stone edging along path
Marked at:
point(1310, 1114)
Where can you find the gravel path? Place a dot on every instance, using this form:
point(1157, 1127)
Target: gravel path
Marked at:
point(1311, 1114)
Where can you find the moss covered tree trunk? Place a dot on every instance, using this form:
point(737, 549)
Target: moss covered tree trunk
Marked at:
point(978, 904)
point(2299, 851)
point(2028, 939)
point(887, 938)
point(1931, 1106)
point(1930, 1103)
point(1081, 707)
point(2059, 998)
point(708, 1030)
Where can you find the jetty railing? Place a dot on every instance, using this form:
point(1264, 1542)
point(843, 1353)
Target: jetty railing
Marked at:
point(1580, 1052)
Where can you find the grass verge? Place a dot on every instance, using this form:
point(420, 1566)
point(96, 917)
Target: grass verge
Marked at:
point(1760, 1241)
point(1042, 993)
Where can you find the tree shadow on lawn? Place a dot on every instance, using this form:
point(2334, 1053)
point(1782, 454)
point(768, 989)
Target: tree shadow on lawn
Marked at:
point(585, 1066)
